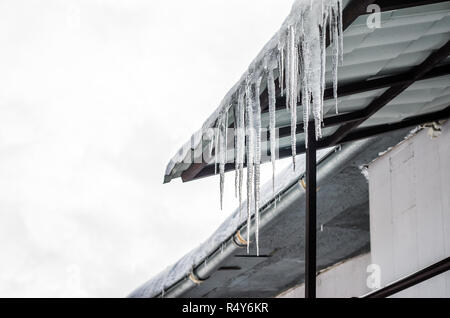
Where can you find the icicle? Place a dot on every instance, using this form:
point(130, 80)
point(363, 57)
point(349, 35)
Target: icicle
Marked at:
point(308, 36)
point(334, 30)
point(223, 132)
point(272, 115)
point(216, 145)
point(240, 150)
point(341, 48)
point(323, 50)
point(222, 176)
point(341, 33)
point(281, 66)
point(257, 127)
point(291, 87)
point(236, 163)
point(288, 71)
point(336, 41)
point(250, 158)
point(236, 180)
point(304, 61)
point(315, 73)
point(301, 58)
point(210, 135)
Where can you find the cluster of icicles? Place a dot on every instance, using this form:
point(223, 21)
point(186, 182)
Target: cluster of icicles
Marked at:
point(299, 61)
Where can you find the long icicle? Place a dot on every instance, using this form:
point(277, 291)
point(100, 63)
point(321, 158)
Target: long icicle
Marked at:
point(223, 131)
point(250, 158)
point(323, 48)
point(272, 122)
point(304, 60)
point(334, 33)
point(340, 40)
point(281, 66)
point(314, 19)
point(216, 145)
point(241, 143)
point(236, 146)
point(301, 58)
point(257, 123)
point(291, 88)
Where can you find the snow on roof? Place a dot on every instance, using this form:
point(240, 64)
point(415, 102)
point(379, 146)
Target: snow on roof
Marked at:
point(406, 38)
point(268, 58)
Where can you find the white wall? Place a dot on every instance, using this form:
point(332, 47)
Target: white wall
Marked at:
point(410, 211)
point(409, 188)
point(344, 280)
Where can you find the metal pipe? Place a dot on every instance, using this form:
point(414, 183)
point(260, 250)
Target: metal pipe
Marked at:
point(311, 214)
point(326, 169)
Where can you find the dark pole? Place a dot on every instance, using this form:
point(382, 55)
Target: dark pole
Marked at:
point(310, 226)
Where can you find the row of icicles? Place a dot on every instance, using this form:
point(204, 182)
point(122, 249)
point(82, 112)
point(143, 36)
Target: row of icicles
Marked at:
point(300, 63)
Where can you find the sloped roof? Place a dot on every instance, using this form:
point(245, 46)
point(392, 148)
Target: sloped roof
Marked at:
point(390, 75)
point(375, 60)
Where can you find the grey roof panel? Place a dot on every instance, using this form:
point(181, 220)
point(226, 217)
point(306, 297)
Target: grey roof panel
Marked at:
point(407, 37)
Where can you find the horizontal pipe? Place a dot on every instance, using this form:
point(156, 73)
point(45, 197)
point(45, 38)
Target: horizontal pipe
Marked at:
point(327, 169)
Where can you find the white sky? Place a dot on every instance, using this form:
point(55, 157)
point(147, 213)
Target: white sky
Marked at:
point(95, 98)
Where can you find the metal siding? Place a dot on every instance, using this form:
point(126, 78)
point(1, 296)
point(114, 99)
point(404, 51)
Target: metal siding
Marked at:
point(335, 283)
point(410, 212)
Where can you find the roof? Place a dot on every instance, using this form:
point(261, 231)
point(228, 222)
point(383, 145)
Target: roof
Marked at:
point(392, 78)
point(375, 60)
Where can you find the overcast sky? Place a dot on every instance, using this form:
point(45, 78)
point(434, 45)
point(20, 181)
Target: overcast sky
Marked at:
point(95, 98)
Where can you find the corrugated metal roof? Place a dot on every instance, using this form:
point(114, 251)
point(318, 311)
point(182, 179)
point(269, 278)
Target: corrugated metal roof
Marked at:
point(406, 38)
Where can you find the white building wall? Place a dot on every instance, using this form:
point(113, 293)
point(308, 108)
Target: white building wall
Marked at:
point(344, 280)
point(409, 190)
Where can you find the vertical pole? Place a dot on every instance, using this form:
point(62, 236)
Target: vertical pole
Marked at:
point(310, 226)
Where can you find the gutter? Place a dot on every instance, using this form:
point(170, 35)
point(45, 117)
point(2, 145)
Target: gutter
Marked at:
point(327, 168)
